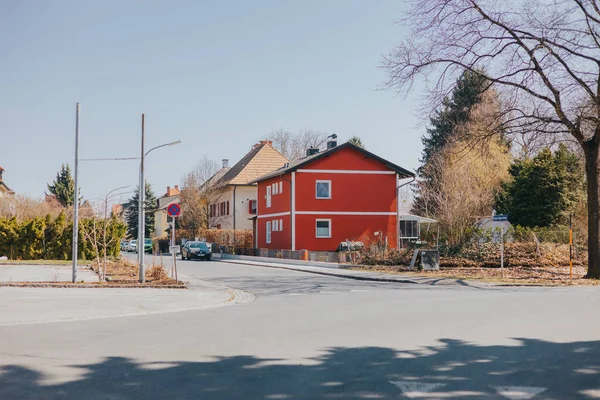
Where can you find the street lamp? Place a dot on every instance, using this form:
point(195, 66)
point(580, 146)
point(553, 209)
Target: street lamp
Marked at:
point(141, 211)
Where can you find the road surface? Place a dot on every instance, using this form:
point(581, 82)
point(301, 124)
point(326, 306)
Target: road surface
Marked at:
point(306, 336)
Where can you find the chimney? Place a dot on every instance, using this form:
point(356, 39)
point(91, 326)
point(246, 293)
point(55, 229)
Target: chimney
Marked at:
point(1, 171)
point(311, 151)
point(177, 188)
point(225, 163)
point(333, 142)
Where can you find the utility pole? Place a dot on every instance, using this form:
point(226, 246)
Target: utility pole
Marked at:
point(76, 197)
point(141, 213)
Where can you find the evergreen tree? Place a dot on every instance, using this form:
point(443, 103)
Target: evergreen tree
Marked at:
point(455, 113)
point(355, 140)
point(543, 190)
point(63, 186)
point(149, 208)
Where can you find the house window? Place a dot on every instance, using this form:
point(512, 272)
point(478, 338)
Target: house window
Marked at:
point(268, 239)
point(275, 226)
point(409, 229)
point(252, 206)
point(323, 190)
point(210, 211)
point(281, 225)
point(227, 207)
point(280, 186)
point(275, 188)
point(323, 228)
point(268, 196)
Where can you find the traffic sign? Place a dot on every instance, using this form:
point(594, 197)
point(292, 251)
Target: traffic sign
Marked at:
point(501, 217)
point(175, 249)
point(174, 210)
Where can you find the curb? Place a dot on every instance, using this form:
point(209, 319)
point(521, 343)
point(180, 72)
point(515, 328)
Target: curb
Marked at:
point(355, 277)
point(89, 285)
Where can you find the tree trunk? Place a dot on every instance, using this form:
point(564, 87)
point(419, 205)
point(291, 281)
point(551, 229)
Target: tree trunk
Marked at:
point(592, 164)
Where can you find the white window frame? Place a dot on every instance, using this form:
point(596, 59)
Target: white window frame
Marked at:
point(317, 192)
point(275, 187)
point(275, 225)
point(268, 196)
point(317, 230)
point(280, 186)
point(268, 232)
point(281, 225)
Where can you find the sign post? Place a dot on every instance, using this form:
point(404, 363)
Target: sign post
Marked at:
point(174, 210)
point(501, 218)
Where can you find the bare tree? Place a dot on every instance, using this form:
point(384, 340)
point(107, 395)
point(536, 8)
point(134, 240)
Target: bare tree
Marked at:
point(293, 145)
point(542, 56)
point(200, 189)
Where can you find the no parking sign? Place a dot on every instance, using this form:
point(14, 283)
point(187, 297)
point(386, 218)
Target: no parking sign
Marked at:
point(174, 210)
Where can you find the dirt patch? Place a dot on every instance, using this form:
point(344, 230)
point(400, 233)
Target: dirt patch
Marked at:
point(525, 264)
point(124, 272)
point(521, 275)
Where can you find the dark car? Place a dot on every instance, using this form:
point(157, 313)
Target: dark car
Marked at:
point(193, 249)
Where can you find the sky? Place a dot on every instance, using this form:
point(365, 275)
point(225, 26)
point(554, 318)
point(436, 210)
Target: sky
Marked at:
point(218, 75)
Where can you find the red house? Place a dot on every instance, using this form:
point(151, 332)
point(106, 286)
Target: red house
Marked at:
point(342, 193)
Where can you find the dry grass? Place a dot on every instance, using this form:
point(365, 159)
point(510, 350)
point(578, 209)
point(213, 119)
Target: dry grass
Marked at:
point(123, 271)
point(525, 264)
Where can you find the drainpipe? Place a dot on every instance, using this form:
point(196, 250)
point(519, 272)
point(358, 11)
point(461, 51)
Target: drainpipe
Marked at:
point(398, 207)
point(234, 187)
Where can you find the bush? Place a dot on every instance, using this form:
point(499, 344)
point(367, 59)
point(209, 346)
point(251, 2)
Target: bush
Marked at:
point(50, 238)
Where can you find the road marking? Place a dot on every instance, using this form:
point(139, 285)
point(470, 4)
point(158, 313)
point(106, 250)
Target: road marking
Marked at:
point(358, 290)
point(328, 292)
point(415, 390)
point(518, 392)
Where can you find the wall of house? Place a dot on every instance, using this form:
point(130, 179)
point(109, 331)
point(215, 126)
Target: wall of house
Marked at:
point(160, 223)
point(243, 195)
point(224, 221)
point(279, 210)
point(360, 228)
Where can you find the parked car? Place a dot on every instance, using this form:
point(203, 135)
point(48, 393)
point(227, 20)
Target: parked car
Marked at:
point(194, 249)
point(124, 245)
point(148, 245)
point(133, 245)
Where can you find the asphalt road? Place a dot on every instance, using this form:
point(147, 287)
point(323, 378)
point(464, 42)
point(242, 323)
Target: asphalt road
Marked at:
point(314, 337)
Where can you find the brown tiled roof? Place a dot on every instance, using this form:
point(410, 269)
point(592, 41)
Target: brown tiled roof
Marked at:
point(261, 160)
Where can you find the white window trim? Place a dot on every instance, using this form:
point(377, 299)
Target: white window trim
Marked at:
point(280, 186)
point(269, 196)
point(281, 214)
point(275, 225)
point(268, 232)
point(281, 225)
point(317, 231)
point(317, 192)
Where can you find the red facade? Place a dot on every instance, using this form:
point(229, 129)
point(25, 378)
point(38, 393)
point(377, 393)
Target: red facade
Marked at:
point(342, 194)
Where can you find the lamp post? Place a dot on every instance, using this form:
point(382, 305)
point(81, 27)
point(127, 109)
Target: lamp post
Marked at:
point(141, 211)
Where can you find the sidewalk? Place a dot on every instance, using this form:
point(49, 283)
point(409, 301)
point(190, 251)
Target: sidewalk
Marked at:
point(364, 275)
point(44, 273)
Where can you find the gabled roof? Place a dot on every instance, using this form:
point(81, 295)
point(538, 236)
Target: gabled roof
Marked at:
point(261, 160)
point(307, 160)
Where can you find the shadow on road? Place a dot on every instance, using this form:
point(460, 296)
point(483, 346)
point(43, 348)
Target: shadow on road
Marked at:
point(453, 369)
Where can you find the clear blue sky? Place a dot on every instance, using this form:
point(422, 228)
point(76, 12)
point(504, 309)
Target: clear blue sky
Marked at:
point(216, 74)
